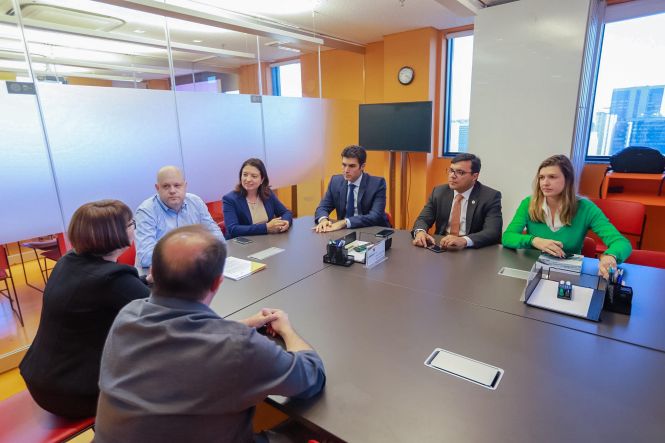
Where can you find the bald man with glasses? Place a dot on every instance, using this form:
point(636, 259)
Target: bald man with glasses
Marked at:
point(467, 213)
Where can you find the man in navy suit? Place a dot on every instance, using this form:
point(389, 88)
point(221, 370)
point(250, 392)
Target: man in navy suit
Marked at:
point(358, 198)
point(467, 214)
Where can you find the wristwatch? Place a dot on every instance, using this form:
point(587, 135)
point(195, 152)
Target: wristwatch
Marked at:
point(416, 231)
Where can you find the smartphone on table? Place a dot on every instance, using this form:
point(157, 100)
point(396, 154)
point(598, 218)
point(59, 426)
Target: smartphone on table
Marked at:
point(243, 240)
point(384, 233)
point(436, 248)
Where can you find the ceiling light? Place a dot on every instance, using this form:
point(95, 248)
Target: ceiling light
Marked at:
point(286, 48)
point(282, 7)
point(197, 41)
point(139, 31)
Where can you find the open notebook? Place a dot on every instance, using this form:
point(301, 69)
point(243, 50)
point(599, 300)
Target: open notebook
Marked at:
point(237, 268)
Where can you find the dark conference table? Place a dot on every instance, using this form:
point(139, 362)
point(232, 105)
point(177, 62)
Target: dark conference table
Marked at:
point(375, 328)
point(472, 275)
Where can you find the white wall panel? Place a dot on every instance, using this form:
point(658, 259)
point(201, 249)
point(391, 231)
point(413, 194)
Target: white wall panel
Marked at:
point(28, 198)
point(526, 74)
point(219, 132)
point(108, 142)
point(294, 137)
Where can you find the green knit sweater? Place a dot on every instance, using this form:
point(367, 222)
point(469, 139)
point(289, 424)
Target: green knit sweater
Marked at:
point(588, 216)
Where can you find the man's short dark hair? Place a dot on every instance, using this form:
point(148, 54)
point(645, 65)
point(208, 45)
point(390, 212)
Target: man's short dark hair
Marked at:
point(475, 161)
point(185, 275)
point(355, 151)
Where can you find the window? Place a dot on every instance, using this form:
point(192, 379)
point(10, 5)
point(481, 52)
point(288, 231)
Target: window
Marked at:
point(628, 108)
point(458, 93)
point(286, 80)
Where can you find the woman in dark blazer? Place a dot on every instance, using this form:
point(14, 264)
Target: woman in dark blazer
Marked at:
point(252, 208)
point(83, 295)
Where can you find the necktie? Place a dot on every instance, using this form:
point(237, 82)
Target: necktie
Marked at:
point(350, 202)
point(456, 215)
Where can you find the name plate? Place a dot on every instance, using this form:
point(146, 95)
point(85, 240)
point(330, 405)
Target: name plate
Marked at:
point(375, 254)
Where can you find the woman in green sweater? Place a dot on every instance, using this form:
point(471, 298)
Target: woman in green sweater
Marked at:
point(557, 220)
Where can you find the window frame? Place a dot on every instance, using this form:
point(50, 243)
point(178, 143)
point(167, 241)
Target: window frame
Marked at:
point(276, 77)
point(449, 51)
point(616, 13)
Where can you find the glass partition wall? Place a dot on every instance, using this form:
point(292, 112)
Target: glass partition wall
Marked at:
point(95, 98)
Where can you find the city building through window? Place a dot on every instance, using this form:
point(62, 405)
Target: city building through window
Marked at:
point(628, 107)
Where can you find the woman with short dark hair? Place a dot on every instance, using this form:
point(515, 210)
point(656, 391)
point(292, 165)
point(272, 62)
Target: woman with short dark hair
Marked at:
point(252, 208)
point(83, 295)
point(555, 220)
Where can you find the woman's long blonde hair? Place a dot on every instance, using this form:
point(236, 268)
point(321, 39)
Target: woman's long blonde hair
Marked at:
point(568, 196)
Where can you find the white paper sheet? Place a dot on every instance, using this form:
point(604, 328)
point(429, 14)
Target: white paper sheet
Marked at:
point(544, 296)
point(237, 268)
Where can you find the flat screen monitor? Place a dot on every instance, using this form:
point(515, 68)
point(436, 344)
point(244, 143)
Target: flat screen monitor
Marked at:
point(396, 126)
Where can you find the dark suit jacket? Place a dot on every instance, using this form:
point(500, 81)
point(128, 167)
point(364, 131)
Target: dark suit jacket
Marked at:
point(483, 218)
point(238, 219)
point(82, 298)
point(371, 201)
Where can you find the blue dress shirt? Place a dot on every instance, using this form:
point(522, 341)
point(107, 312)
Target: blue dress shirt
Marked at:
point(154, 219)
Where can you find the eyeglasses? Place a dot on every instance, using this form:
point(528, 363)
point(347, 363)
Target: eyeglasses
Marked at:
point(458, 172)
point(132, 223)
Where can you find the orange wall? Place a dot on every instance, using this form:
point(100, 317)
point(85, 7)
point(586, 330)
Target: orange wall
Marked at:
point(9, 76)
point(83, 81)
point(417, 49)
point(248, 79)
point(163, 84)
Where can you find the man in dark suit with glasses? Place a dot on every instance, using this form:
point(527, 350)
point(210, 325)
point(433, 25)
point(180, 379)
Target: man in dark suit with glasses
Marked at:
point(467, 213)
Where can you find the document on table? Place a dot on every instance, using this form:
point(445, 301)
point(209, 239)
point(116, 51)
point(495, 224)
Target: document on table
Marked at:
point(262, 255)
point(544, 296)
point(237, 268)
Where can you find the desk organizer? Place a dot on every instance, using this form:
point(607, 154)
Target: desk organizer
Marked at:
point(618, 299)
point(337, 255)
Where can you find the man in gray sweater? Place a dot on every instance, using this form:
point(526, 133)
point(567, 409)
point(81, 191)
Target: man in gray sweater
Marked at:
point(173, 370)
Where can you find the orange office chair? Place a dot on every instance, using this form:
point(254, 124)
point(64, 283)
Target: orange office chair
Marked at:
point(51, 249)
point(589, 247)
point(389, 216)
point(21, 419)
point(7, 278)
point(129, 256)
point(216, 210)
point(628, 217)
point(655, 259)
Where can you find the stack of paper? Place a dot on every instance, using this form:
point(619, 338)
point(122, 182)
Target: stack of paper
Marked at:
point(237, 268)
point(572, 264)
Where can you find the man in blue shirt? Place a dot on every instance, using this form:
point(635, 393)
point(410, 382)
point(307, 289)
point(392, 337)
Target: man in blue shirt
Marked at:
point(171, 208)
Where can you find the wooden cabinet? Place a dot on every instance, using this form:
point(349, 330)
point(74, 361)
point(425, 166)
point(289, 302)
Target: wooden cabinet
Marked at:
point(644, 188)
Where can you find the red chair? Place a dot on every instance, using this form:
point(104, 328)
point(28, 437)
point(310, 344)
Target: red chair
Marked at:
point(216, 210)
point(628, 217)
point(129, 256)
point(589, 247)
point(655, 259)
point(5, 276)
point(51, 249)
point(389, 216)
point(222, 226)
point(22, 420)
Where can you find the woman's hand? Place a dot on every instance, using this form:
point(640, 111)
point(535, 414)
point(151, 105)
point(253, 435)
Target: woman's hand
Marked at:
point(548, 246)
point(605, 263)
point(277, 225)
